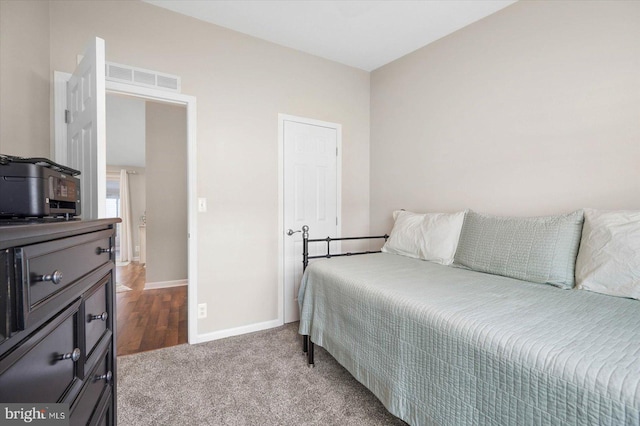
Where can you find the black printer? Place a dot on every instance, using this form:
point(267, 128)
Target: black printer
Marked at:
point(37, 187)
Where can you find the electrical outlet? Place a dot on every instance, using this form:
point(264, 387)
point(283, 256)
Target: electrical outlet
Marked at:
point(137, 249)
point(202, 310)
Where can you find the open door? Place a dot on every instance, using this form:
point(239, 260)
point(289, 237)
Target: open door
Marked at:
point(86, 129)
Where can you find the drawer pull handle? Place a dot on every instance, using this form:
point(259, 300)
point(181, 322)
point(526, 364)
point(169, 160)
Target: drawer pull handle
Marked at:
point(106, 377)
point(103, 317)
point(55, 278)
point(109, 250)
point(73, 356)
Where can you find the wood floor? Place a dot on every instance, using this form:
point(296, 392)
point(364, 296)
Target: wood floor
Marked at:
point(148, 319)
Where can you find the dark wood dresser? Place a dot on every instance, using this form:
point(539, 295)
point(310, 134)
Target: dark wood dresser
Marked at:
point(57, 316)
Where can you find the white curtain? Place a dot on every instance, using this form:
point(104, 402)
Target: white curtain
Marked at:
point(126, 234)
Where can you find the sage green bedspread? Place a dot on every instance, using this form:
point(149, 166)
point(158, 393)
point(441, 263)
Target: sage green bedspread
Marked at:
point(445, 346)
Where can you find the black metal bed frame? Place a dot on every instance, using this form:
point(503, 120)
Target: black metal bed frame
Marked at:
point(307, 344)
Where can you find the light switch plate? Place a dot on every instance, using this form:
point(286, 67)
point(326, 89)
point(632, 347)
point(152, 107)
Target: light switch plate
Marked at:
point(202, 205)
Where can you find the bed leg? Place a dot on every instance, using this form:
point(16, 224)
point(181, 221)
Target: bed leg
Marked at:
point(305, 340)
point(310, 354)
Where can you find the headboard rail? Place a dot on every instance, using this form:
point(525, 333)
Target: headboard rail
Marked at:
point(328, 240)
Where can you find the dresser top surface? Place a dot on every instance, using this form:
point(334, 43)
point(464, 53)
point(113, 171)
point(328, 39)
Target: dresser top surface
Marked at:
point(14, 233)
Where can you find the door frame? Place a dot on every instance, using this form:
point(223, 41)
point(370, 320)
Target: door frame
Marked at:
point(281, 231)
point(189, 102)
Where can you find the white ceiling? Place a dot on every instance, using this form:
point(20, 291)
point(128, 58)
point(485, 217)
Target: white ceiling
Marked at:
point(362, 34)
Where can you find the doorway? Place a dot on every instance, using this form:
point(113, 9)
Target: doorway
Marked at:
point(146, 151)
point(125, 172)
point(189, 102)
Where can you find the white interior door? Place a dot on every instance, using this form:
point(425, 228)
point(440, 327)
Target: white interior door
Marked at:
point(86, 129)
point(310, 196)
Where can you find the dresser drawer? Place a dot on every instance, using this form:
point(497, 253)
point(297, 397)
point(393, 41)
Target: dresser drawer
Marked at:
point(44, 368)
point(49, 267)
point(104, 414)
point(96, 384)
point(97, 315)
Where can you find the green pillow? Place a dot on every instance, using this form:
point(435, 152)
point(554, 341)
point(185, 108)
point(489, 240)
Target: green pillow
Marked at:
point(536, 249)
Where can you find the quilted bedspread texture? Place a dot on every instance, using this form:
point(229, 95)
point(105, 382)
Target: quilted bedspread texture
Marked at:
point(445, 346)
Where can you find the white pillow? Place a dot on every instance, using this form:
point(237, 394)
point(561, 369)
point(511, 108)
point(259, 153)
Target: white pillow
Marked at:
point(441, 232)
point(406, 236)
point(609, 257)
point(430, 236)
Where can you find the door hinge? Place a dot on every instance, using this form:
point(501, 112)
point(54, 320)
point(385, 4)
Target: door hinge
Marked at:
point(336, 151)
point(67, 116)
point(336, 221)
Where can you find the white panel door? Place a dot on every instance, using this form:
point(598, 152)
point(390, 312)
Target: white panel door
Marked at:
point(86, 129)
point(310, 198)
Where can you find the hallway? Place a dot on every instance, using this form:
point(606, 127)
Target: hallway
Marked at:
point(148, 319)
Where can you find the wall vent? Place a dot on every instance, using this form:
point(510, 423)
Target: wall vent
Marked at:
point(142, 77)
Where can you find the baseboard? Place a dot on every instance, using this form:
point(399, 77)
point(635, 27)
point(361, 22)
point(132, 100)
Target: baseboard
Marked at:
point(165, 284)
point(215, 335)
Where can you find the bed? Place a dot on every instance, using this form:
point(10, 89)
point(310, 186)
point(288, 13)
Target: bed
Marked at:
point(441, 345)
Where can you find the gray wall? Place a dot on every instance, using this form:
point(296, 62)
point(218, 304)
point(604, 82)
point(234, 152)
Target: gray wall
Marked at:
point(24, 78)
point(166, 195)
point(533, 110)
point(241, 84)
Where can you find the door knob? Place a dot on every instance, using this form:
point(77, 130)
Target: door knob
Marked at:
point(290, 232)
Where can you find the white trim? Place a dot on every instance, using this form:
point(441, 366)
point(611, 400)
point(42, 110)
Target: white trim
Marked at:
point(101, 125)
point(190, 103)
point(338, 127)
point(281, 219)
point(165, 284)
point(149, 93)
point(59, 147)
point(251, 328)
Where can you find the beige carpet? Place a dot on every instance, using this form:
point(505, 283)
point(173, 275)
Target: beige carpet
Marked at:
point(256, 379)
